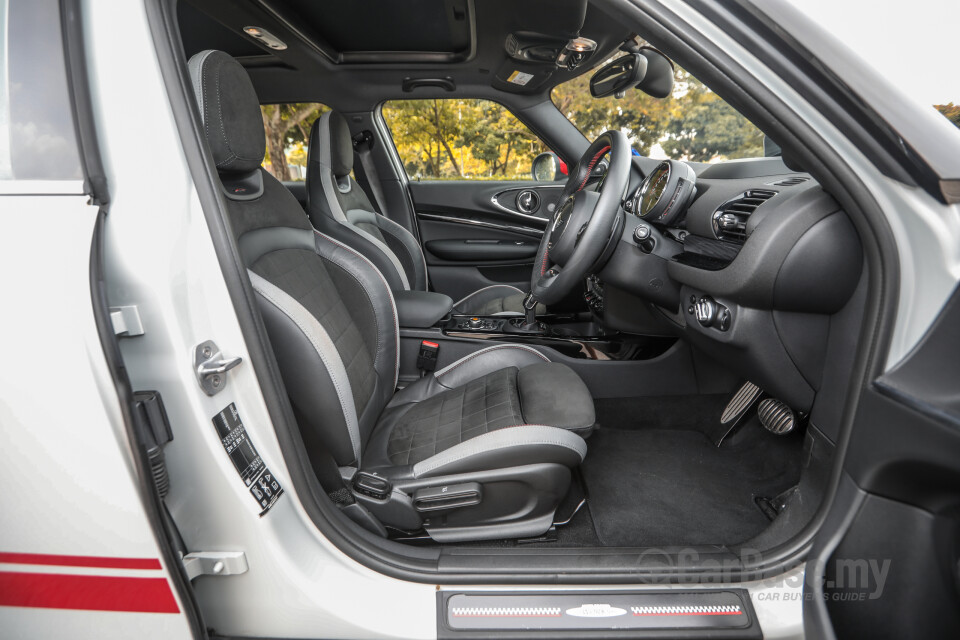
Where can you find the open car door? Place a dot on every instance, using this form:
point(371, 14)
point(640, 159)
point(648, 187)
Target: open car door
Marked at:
point(885, 562)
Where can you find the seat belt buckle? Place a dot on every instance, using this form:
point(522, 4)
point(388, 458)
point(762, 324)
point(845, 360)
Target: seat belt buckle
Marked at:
point(427, 357)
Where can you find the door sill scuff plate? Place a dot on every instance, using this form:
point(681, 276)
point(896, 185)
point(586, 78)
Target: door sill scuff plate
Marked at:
point(718, 613)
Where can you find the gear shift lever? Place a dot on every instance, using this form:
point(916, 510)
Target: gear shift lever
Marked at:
point(530, 313)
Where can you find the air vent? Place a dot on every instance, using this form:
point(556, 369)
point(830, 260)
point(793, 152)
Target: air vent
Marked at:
point(730, 220)
point(789, 182)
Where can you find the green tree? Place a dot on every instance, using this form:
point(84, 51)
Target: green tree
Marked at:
point(693, 123)
point(495, 136)
point(950, 111)
point(707, 128)
point(285, 125)
point(460, 137)
point(640, 116)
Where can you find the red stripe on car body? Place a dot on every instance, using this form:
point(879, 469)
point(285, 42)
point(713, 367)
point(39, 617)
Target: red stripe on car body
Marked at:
point(80, 561)
point(90, 593)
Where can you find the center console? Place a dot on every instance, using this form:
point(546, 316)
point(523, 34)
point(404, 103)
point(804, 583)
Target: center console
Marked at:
point(571, 335)
point(495, 324)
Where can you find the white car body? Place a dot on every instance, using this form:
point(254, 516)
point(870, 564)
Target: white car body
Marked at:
point(75, 517)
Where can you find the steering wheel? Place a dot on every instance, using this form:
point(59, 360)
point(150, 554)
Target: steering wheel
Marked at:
point(583, 221)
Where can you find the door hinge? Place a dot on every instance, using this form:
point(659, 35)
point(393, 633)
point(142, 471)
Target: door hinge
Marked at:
point(126, 321)
point(214, 563)
point(211, 367)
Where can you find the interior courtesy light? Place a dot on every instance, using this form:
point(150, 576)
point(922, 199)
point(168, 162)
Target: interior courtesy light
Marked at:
point(581, 44)
point(265, 37)
point(575, 51)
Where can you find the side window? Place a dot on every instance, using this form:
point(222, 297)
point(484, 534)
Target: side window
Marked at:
point(37, 136)
point(461, 139)
point(287, 127)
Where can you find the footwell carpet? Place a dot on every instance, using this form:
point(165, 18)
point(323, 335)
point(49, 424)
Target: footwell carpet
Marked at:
point(665, 487)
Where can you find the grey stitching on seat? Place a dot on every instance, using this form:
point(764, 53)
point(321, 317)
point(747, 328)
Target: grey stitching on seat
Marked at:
point(324, 346)
point(524, 435)
point(476, 354)
point(487, 404)
point(196, 64)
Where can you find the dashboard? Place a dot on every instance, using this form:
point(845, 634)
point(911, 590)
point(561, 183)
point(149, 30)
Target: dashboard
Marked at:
point(745, 259)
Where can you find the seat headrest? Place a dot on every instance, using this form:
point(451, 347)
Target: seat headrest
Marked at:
point(230, 110)
point(341, 146)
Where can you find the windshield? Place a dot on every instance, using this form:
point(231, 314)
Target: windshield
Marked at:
point(693, 124)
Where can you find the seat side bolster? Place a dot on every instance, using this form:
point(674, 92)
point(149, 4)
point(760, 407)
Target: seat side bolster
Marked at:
point(320, 165)
point(510, 447)
point(412, 246)
point(484, 361)
point(351, 218)
point(323, 346)
point(377, 290)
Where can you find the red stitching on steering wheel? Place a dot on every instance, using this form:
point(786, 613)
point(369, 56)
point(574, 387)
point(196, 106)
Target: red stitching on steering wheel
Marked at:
point(593, 162)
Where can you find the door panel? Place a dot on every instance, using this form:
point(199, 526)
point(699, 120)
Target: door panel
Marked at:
point(474, 234)
point(471, 251)
point(488, 200)
point(460, 277)
point(892, 571)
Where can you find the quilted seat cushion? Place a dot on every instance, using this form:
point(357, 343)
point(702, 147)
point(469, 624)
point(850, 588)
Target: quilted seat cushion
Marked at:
point(483, 405)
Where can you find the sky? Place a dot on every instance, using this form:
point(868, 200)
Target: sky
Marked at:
point(914, 43)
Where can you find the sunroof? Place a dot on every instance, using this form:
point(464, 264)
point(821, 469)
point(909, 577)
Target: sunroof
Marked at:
point(382, 30)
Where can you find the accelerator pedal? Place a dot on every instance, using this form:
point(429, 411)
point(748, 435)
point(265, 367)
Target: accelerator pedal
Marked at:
point(737, 408)
point(776, 416)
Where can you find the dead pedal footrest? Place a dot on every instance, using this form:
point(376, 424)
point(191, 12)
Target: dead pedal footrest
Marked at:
point(720, 613)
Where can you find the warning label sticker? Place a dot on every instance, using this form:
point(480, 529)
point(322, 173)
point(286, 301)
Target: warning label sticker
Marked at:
point(255, 474)
point(519, 77)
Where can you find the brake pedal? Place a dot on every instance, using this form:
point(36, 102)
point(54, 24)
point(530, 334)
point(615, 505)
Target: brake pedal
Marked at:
point(737, 408)
point(776, 416)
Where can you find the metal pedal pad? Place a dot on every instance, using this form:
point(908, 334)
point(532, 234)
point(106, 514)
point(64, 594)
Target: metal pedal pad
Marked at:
point(739, 405)
point(776, 416)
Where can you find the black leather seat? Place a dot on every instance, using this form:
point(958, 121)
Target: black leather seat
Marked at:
point(504, 421)
point(339, 207)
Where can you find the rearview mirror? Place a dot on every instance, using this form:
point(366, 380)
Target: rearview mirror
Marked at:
point(658, 80)
point(614, 78)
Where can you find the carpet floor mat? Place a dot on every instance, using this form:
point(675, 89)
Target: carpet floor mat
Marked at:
point(659, 487)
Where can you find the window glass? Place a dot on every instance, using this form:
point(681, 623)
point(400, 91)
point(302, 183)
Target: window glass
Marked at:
point(287, 127)
point(37, 137)
point(461, 139)
point(692, 124)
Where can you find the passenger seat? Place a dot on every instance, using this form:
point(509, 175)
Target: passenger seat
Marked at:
point(339, 207)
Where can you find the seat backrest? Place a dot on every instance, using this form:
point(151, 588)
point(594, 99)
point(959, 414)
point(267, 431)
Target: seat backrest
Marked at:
point(338, 206)
point(329, 312)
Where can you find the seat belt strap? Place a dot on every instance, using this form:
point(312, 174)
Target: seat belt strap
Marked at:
point(363, 145)
point(328, 474)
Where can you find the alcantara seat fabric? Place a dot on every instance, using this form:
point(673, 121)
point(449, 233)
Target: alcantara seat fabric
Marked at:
point(332, 322)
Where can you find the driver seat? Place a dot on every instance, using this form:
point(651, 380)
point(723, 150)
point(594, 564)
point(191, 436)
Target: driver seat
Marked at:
point(340, 208)
point(480, 449)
